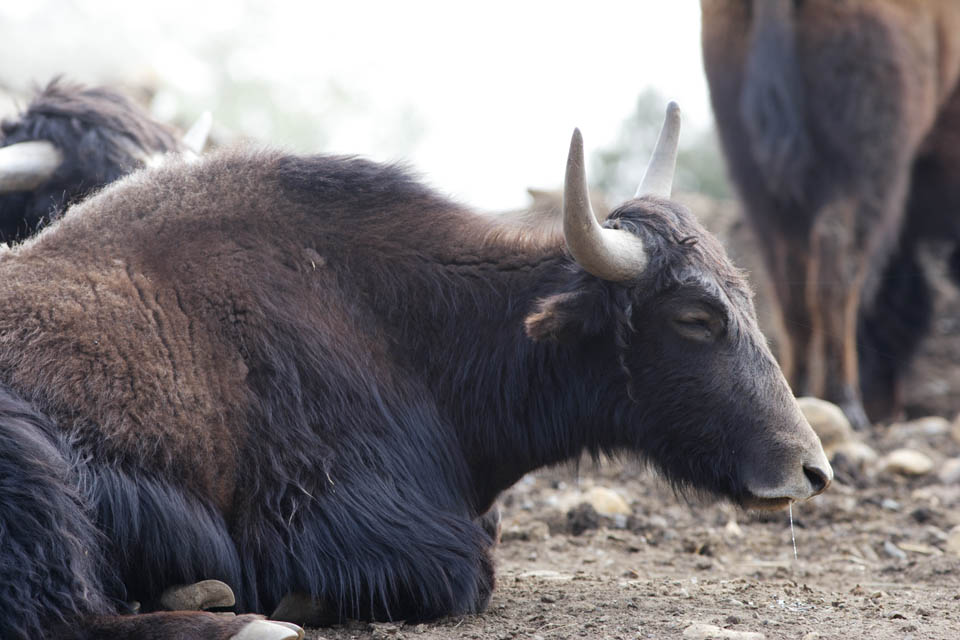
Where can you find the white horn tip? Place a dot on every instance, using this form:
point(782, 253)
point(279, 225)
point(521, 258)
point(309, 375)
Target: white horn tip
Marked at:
point(673, 114)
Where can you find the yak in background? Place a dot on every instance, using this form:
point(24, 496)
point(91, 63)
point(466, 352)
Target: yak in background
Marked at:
point(310, 377)
point(840, 122)
point(70, 141)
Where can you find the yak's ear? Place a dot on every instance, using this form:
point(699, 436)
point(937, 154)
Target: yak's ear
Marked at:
point(566, 316)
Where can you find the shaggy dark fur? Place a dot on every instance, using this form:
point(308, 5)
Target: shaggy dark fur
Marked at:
point(314, 376)
point(840, 123)
point(103, 135)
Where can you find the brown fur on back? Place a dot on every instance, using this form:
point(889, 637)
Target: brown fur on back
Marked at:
point(130, 321)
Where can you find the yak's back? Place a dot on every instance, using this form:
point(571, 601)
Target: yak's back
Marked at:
point(142, 320)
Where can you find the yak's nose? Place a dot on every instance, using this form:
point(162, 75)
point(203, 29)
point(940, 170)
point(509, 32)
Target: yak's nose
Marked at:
point(818, 477)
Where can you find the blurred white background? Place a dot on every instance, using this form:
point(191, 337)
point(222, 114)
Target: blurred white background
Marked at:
point(480, 99)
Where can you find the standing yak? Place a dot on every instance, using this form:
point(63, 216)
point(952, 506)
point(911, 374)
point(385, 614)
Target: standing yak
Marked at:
point(70, 141)
point(840, 123)
point(310, 377)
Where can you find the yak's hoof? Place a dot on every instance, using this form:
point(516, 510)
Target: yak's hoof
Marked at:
point(198, 596)
point(263, 630)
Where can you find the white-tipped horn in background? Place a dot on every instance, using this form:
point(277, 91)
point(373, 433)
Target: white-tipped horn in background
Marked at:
point(609, 254)
point(195, 139)
point(658, 179)
point(24, 166)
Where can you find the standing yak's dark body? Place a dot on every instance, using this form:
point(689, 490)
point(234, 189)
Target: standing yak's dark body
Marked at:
point(102, 136)
point(313, 376)
point(840, 123)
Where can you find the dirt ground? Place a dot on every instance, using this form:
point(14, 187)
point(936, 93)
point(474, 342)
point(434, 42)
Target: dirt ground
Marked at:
point(874, 556)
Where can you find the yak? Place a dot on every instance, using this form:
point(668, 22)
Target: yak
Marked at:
point(70, 141)
point(309, 377)
point(838, 121)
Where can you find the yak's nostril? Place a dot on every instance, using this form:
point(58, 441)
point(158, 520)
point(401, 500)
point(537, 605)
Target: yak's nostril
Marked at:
point(818, 478)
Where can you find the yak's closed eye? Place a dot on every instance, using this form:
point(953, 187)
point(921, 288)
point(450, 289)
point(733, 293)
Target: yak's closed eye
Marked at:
point(698, 324)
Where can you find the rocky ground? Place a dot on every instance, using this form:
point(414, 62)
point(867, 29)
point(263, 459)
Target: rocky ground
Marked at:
point(610, 552)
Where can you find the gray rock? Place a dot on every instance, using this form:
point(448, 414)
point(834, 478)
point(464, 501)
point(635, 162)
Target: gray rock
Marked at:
point(700, 631)
point(909, 462)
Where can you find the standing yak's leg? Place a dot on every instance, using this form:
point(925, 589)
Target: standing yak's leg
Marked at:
point(51, 555)
point(892, 325)
point(850, 246)
point(788, 256)
point(834, 284)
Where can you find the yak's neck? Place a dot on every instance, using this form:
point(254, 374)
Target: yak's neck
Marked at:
point(515, 404)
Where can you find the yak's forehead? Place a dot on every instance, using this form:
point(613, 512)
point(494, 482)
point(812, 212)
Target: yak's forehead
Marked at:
point(682, 246)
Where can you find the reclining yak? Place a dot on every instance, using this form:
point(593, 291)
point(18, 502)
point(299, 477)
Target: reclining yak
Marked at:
point(839, 121)
point(310, 377)
point(70, 141)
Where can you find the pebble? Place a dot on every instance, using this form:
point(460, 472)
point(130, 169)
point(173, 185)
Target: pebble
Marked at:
point(700, 631)
point(894, 551)
point(857, 452)
point(908, 462)
point(929, 426)
point(949, 472)
point(828, 422)
point(531, 530)
point(733, 529)
point(607, 502)
point(953, 541)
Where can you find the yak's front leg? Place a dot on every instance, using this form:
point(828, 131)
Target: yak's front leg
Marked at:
point(374, 552)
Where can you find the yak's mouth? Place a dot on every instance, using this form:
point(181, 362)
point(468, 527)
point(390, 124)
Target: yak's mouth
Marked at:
point(756, 503)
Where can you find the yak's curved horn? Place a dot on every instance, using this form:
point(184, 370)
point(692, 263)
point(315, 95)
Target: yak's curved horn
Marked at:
point(658, 180)
point(24, 166)
point(609, 254)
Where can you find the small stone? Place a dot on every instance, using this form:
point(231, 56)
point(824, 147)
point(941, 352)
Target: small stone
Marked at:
point(949, 472)
point(924, 549)
point(525, 530)
point(908, 462)
point(813, 635)
point(700, 631)
point(547, 599)
point(953, 541)
point(928, 426)
point(955, 429)
point(894, 551)
point(828, 421)
point(857, 452)
point(607, 502)
point(890, 505)
point(733, 529)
